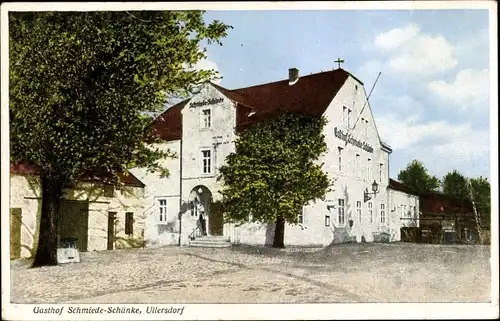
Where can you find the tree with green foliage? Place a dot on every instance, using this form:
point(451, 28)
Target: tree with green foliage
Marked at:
point(274, 172)
point(455, 184)
point(78, 84)
point(417, 178)
point(481, 195)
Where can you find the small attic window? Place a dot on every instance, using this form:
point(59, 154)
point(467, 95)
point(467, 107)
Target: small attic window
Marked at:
point(109, 190)
point(355, 87)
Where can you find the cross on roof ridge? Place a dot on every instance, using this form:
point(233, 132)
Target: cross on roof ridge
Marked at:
point(339, 61)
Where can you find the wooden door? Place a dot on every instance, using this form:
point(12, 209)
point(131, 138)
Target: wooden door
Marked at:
point(75, 222)
point(15, 233)
point(111, 229)
point(216, 219)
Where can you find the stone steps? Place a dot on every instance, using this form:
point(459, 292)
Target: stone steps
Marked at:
point(210, 241)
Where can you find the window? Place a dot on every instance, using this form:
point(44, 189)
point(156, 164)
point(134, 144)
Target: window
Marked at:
point(327, 220)
point(341, 217)
point(370, 211)
point(403, 207)
point(207, 161)
point(206, 118)
point(129, 223)
point(382, 213)
point(301, 216)
point(414, 212)
point(340, 158)
point(356, 165)
point(344, 116)
point(109, 191)
point(349, 118)
point(369, 170)
point(381, 172)
point(163, 209)
point(358, 210)
point(365, 128)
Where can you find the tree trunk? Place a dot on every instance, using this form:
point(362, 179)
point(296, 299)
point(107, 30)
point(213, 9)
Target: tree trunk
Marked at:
point(46, 253)
point(279, 233)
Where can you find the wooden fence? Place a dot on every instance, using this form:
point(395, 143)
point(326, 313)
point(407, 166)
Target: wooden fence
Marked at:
point(436, 235)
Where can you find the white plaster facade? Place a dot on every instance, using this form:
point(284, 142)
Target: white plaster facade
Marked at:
point(165, 230)
point(405, 210)
point(324, 221)
point(25, 195)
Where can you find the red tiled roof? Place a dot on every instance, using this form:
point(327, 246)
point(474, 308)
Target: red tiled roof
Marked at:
point(234, 96)
point(435, 202)
point(398, 186)
point(168, 126)
point(24, 169)
point(126, 178)
point(311, 95)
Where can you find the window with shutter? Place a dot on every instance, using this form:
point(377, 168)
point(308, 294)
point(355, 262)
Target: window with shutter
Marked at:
point(109, 191)
point(129, 223)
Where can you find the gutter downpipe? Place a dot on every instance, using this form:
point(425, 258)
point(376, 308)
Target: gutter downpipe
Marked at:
point(180, 183)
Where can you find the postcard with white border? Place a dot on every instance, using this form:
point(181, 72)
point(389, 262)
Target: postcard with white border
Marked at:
point(249, 160)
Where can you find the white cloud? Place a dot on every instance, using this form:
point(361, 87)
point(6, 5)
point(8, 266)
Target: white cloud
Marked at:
point(469, 90)
point(473, 49)
point(410, 51)
point(407, 133)
point(417, 63)
point(441, 145)
point(403, 106)
point(206, 64)
point(396, 37)
point(463, 148)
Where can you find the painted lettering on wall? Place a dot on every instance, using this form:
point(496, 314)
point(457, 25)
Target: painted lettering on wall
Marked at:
point(205, 102)
point(351, 140)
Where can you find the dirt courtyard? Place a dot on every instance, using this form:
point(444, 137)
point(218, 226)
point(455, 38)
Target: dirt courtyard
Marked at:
point(399, 272)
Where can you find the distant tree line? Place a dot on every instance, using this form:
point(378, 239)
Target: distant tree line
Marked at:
point(416, 177)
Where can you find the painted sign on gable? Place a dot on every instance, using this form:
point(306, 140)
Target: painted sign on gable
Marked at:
point(351, 140)
point(206, 102)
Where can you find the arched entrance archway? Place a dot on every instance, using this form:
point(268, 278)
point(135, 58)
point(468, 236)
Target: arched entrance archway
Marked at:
point(201, 201)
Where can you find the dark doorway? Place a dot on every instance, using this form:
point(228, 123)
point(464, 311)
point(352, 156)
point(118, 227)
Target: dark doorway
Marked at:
point(75, 223)
point(15, 233)
point(111, 230)
point(449, 237)
point(216, 220)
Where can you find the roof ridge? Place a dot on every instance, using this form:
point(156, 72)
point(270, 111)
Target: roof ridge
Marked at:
point(312, 96)
point(286, 80)
point(219, 87)
point(182, 103)
point(25, 168)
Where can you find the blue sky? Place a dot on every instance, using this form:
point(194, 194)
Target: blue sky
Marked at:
point(432, 100)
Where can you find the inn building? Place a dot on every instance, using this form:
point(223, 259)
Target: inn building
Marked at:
point(201, 130)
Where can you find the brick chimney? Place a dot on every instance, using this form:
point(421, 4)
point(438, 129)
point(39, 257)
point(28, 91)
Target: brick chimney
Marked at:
point(293, 76)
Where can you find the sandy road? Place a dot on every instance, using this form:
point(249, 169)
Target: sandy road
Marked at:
point(343, 273)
